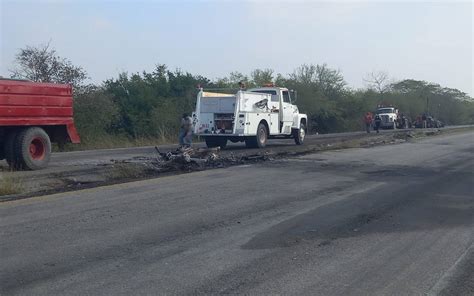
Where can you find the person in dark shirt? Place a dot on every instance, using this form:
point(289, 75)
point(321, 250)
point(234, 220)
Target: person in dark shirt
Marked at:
point(377, 121)
point(423, 118)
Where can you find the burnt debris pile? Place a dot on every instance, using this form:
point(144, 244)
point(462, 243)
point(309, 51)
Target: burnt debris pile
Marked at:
point(190, 159)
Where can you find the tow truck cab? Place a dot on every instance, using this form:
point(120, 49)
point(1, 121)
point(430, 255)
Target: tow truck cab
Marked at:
point(282, 102)
point(389, 117)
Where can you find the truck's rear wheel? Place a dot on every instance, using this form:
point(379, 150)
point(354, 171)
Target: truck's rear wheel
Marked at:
point(262, 136)
point(33, 149)
point(260, 140)
point(299, 135)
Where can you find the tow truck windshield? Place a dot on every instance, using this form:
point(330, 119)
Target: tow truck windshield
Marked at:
point(385, 110)
point(270, 92)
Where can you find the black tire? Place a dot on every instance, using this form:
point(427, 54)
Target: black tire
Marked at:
point(259, 140)
point(9, 150)
point(33, 149)
point(262, 136)
point(299, 135)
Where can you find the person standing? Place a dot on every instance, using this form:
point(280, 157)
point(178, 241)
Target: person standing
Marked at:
point(418, 122)
point(377, 121)
point(186, 131)
point(368, 121)
point(423, 118)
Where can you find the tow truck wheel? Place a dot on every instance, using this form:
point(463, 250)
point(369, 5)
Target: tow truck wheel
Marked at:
point(260, 140)
point(299, 135)
point(33, 149)
point(262, 136)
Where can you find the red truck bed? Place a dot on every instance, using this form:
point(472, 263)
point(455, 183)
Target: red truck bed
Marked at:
point(24, 103)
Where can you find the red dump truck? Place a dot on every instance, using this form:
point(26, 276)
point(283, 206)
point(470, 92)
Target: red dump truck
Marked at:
point(32, 116)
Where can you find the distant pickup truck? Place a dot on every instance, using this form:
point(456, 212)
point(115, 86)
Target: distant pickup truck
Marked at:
point(32, 115)
point(252, 116)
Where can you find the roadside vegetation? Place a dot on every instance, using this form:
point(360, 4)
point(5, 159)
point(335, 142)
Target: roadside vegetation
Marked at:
point(144, 108)
point(9, 185)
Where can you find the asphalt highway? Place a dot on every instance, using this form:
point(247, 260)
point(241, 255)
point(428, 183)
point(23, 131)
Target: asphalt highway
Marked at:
point(388, 220)
point(105, 155)
point(80, 158)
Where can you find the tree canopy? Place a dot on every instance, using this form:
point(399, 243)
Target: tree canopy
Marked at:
point(149, 104)
point(42, 64)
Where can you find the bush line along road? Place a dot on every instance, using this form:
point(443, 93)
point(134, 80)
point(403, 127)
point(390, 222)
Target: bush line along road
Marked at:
point(389, 220)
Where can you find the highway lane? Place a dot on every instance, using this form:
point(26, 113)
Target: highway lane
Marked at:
point(389, 220)
point(82, 158)
point(105, 155)
point(64, 161)
point(74, 169)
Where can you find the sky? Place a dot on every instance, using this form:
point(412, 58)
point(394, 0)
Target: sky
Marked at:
point(430, 41)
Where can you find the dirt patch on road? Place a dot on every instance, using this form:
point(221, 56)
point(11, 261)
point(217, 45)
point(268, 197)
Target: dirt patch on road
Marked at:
point(139, 168)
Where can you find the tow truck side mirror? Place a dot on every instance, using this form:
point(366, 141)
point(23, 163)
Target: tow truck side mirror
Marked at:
point(294, 95)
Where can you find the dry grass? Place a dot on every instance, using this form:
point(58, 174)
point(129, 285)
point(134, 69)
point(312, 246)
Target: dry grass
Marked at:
point(10, 185)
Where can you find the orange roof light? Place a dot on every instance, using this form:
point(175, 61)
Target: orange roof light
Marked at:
point(268, 84)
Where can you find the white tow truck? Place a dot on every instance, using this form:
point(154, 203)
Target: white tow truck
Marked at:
point(389, 117)
point(251, 116)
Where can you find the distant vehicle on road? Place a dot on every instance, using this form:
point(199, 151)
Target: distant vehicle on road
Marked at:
point(392, 118)
point(32, 115)
point(388, 116)
point(252, 116)
point(431, 122)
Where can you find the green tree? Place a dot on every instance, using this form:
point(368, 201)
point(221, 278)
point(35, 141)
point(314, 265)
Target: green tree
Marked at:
point(261, 77)
point(95, 112)
point(43, 64)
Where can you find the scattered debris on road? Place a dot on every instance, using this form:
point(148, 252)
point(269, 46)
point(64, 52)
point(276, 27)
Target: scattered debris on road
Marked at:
point(190, 159)
point(188, 155)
